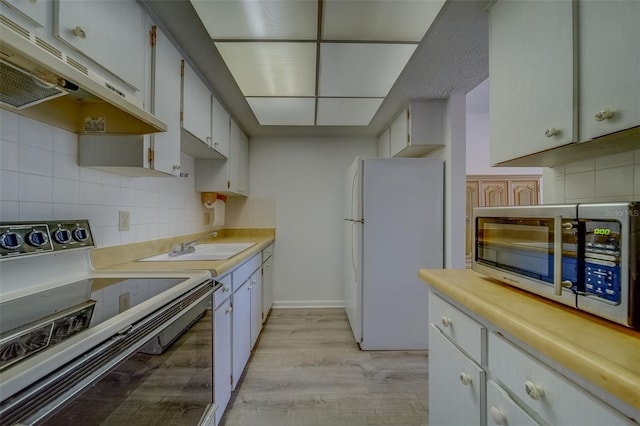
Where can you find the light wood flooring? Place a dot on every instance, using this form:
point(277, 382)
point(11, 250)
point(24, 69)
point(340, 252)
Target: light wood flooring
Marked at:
point(306, 370)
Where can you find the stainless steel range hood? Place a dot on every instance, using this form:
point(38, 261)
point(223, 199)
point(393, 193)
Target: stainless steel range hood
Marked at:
point(44, 83)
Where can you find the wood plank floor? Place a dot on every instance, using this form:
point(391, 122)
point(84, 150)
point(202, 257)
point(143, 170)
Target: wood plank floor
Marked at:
point(306, 370)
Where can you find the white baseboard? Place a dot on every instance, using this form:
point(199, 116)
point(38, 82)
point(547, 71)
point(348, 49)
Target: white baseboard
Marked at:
point(308, 304)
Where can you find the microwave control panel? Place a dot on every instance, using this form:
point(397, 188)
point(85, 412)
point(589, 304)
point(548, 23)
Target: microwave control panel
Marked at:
point(602, 260)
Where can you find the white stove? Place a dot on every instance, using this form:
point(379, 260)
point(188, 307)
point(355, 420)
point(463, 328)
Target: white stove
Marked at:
point(64, 325)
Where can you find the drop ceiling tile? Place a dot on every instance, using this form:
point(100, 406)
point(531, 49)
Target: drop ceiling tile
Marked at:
point(283, 111)
point(253, 19)
point(347, 111)
point(381, 20)
point(271, 69)
point(361, 69)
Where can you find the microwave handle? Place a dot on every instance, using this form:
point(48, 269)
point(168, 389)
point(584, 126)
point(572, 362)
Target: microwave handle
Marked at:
point(558, 284)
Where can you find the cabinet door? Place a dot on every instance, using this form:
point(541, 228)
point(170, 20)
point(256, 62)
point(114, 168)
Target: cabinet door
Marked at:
point(456, 384)
point(222, 357)
point(196, 106)
point(34, 11)
point(532, 90)
point(243, 164)
point(609, 66)
point(267, 287)
point(240, 331)
point(219, 127)
point(502, 410)
point(166, 88)
point(399, 133)
point(384, 144)
point(255, 288)
point(494, 193)
point(110, 33)
point(473, 200)
point(238, 162)
point(524, 193)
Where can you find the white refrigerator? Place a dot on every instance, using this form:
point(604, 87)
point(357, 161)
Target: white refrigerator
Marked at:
point(394, 211)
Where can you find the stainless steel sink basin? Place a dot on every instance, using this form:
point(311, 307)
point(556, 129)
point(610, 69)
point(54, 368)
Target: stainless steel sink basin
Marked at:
point(217, 251)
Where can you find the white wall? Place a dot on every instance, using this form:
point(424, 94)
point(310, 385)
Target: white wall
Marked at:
point(40, 180)
point(611, 178)
point(304, 177)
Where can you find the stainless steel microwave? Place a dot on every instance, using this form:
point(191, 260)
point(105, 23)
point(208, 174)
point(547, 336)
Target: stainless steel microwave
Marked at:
point(582, 255)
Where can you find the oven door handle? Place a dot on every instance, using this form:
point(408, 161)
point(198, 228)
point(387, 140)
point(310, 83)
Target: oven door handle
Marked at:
point(558, 283)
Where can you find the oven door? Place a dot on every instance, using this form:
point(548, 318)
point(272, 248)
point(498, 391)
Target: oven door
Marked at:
point(157, 371)
point(533, 248)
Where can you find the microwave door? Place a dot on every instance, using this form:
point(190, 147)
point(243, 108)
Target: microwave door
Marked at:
point(533, 248)
point(611, 235)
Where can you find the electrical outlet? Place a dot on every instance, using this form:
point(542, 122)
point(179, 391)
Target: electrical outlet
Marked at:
point(207, 218)
point(123, 223)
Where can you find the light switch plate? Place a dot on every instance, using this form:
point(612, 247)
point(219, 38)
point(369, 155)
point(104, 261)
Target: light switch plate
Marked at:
point(123, 222)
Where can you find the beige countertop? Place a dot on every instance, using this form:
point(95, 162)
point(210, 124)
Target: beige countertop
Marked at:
point(125, 257)
point(601, 352)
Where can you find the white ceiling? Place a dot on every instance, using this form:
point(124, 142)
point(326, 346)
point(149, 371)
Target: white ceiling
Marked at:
point(288, 51)
point(278, 75)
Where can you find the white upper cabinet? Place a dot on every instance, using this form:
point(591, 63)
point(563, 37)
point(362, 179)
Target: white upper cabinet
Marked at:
point(33, 10)
point(562, 73)
point(166, 82)
point(111, 33)
point(531, 71)
point(418, 129)
point(609, 66)
point(384, 144)
point(220, 122)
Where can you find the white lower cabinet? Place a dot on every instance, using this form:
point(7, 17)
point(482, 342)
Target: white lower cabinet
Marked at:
point(241, 331)
point(456, 384)
point(267, 281)
point(542, 391)
point(255, 289)
point(506, 386)
point(222, 346)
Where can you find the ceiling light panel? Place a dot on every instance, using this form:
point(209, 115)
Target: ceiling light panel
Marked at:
point(347, 111)
point(271, 69)
point(381, 20)
point(283, 111)
point(361, 69)
point(258, 19)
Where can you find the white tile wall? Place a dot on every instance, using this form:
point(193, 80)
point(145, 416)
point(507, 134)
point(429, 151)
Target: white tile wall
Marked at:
point(40, 180)
point(609, 178)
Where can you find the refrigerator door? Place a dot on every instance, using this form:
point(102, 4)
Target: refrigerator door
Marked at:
point(352, 264)
point(403, 207)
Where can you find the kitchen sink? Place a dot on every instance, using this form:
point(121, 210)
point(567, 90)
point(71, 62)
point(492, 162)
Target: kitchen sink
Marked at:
point(217, 251)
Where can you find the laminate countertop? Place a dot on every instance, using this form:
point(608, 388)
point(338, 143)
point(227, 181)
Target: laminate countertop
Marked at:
point(127, 257)
point(603, 353)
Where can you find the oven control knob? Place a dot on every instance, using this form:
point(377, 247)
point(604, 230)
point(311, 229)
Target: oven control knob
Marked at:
point(62, 236)
point(80, 234)
point(37, 238)
point(11, 240)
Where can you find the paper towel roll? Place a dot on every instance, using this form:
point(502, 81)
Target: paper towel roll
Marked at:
point(218, 212)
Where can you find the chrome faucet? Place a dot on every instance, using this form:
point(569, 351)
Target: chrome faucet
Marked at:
point(188, 247)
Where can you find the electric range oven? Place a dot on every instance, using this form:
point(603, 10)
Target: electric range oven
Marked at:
point(87, 347)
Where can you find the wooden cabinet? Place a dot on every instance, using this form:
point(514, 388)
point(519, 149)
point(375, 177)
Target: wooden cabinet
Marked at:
point(577, 79)
point(112, 34)
point(230, 176)
point(255, 288)
point(497, 190)
point(267, 281)
point(418, 129)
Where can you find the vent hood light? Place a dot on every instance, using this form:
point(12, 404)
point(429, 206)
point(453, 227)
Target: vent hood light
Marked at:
point(42, 82)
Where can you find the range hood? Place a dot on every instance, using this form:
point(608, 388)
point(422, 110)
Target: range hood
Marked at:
point(44, 83)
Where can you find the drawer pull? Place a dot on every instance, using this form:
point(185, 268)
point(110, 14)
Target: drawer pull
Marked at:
point(533, 390)
point(604, 114)
point(228, 310)
point(465, 379)
point(225, 289)
point(551, 132)
point(446, 322)
point(498, 416)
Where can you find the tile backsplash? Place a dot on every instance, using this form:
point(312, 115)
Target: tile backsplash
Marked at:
point(40, 180)
point(610, 178)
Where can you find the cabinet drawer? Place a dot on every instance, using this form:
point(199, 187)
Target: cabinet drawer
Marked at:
point(267, 252)
point(460, 328)
point(244, 271)
point(223, 293)
point(502, 410)
point(456, 384)
point(548, 394)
